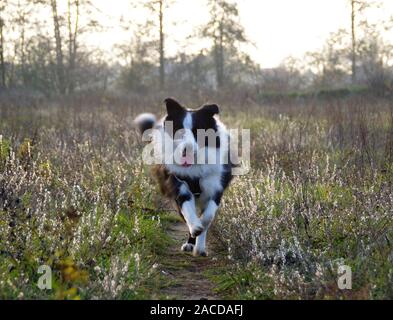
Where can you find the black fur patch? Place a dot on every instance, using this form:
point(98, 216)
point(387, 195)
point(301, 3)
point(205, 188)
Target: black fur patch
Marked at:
point(202, 118)
point(175, 114)
point(183, 197)
point(191, 239)
point(145, 125)
point(193, 184)
point(226, 178)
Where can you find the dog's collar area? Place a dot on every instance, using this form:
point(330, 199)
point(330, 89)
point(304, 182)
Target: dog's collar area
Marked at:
point(197, 194)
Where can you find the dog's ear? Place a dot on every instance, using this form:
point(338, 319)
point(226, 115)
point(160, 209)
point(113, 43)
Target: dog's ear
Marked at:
point(210, 109)
point(173, 107)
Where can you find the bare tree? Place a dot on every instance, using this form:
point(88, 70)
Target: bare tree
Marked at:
point(374, 56)
point(67, 29)
point(2, 45)
point(139, 58)
point(224, 29)
point(23, 10)
point(2, 62)
point(158, 7)
point(161, 48)
point(330, 65)
point(59, 48)
point(357, 8)
point(353, 36)
point(73, 29)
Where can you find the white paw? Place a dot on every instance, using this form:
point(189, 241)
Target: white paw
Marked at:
point(196, 229)
point(187, 247)
point(199, 252)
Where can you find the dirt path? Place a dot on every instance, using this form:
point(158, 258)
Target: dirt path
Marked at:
point(185, 273)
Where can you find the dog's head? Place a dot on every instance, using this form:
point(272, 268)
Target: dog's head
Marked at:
point(191, 130)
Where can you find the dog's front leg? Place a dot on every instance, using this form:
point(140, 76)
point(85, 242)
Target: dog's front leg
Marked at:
point(207, 218)
point(186, 203)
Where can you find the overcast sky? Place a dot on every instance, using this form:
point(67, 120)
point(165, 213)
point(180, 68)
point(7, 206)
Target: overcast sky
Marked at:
point(279, 28)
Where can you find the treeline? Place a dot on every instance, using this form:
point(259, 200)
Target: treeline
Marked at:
point(43, 49)
point(41, 46)
point(355, 58)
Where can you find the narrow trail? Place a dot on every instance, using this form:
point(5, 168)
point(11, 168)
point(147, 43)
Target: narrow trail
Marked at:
point(185, 273)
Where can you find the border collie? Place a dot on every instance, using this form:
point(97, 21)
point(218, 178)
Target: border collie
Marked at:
point(195, 170)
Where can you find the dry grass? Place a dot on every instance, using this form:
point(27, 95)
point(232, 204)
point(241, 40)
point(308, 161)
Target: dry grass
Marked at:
point(320, 196)
point(74, 193)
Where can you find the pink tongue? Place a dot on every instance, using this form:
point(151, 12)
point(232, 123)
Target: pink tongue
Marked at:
point(186, 163)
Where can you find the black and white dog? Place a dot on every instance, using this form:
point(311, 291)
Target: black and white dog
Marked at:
point(196, 169)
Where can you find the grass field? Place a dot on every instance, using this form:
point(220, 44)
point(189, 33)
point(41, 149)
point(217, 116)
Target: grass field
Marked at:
point(75, 195)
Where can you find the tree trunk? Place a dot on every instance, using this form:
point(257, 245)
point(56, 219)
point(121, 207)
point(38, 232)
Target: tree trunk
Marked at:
point(220, 57)
point(353, 33)
point(2, 62)
point(22, 41)
point(216, 62)
point(23, 55)
point(59, 49)
point(162, 49)
point(72, 45)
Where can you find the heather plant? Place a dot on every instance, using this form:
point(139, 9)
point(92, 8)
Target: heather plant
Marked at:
point(74, 201)
point(75, 196)
point(309, 206)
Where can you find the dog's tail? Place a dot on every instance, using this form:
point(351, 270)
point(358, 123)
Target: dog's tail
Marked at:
point(144, 122)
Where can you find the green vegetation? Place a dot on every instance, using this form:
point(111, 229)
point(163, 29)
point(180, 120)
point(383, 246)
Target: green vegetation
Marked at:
point(319, 196)
point(81, 208)
point(74, 195)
